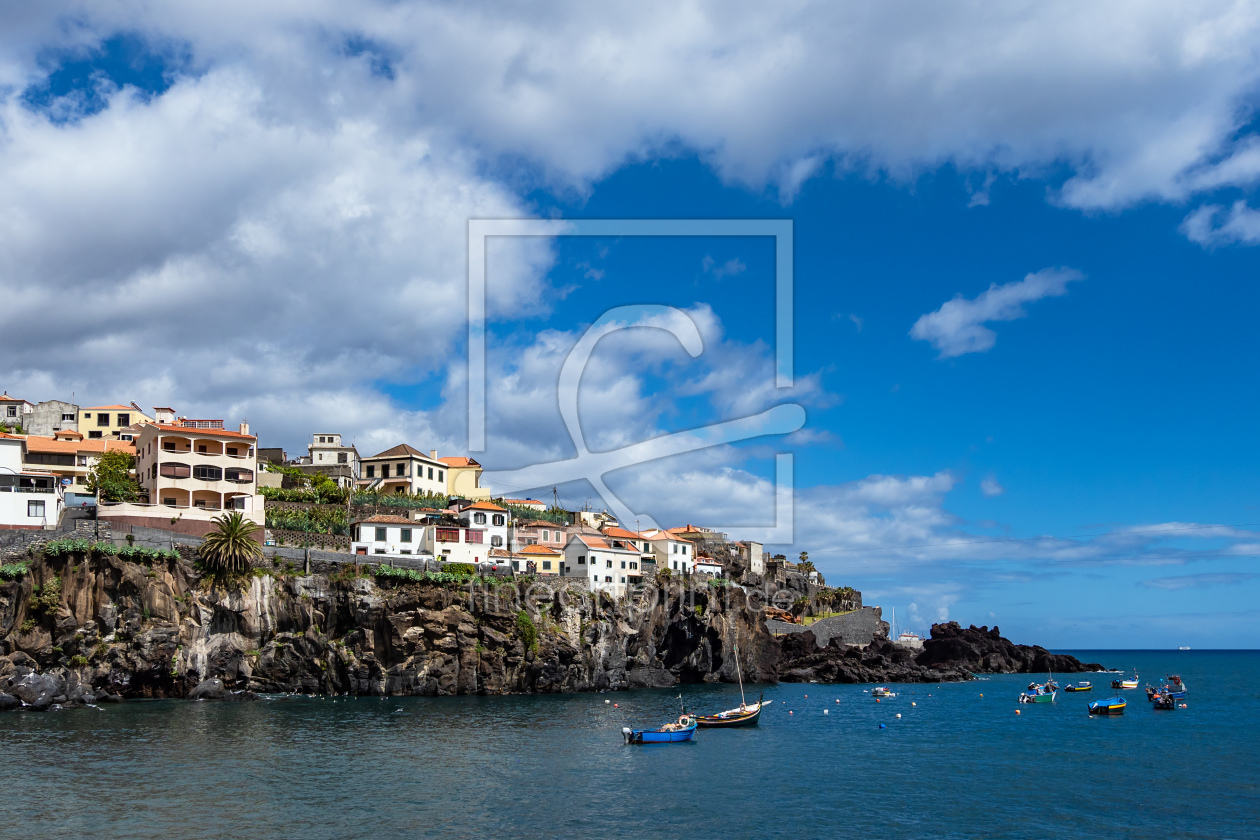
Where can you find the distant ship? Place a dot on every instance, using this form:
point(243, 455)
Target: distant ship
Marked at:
point(1184, 647)
point(906, 639)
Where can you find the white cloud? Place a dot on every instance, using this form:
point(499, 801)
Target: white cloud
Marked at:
point(727, 269)
point(1240, 225)
point(1176, 582)
point(990, 487)
point(958, 326)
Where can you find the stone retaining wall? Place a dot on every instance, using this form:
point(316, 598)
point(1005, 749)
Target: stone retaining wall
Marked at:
point(856, 628)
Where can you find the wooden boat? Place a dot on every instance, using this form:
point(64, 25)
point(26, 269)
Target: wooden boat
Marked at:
point(1176, 688)
point(1111, 706)
point(1084, 685)
point(745, 715)
point(881, 691)
point(683, 729)
point(1123, 683)
point(1038, 696)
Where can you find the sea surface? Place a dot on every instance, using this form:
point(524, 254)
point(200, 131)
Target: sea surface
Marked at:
point(958, 762)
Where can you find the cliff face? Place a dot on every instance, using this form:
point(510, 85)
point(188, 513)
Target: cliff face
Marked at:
point(100, 627)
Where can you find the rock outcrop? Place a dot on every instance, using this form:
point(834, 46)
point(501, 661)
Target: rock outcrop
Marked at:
point(950, 655)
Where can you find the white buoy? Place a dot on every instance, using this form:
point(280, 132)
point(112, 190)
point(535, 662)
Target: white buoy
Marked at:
point(826, 711)
point(898, 714)
point(912, 703)
point(607, 701)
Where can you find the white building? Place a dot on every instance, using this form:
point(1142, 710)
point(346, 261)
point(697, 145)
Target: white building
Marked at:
point(608, 569)
point(751, 553)
point(671, 552)
point(28, 498)
point(328, 455)
point(392, 536)
point(490, 519)
point(709, 566)
point(403, 470)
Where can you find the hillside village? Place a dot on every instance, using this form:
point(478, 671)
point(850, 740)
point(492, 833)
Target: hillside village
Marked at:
point(404, 506)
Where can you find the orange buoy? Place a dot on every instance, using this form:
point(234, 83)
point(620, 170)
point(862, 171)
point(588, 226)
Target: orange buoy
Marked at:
point(876, 699)
point(1017, 711)
point(616, 705)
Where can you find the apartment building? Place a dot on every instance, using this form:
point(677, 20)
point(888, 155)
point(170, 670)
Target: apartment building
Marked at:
point(327, 454)
point(29, 499)
point(537, 532)
point(392, 536)
point(607, 568)
point(52, 416)
point(671, 551)
point(68, 456)
point(14, 413)
point(404, 469)
point(489, 518)
point(194, 474)
point(110, 421)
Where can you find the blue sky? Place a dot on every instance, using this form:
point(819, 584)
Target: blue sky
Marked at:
point(267, 209)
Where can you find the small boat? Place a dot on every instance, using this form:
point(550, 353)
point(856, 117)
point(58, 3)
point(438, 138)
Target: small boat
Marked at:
point(1164, 702)
point(1038, 693)
point(683, 729)
point(743, 716)
point(1111, 706)
point(881, 691)
point(746, 715)
point(1084, 685)
point(1176, 688)
point(1184, 647)
point(1123, 683)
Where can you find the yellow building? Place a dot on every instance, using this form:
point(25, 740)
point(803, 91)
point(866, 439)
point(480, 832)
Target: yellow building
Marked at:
point(110, 421)
point(463, 478)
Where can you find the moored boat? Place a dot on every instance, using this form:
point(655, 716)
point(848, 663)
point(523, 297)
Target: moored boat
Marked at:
point(1123, 683)
point(881, 691)
point(1164, 702)
point(1038, 696)
point(683, 729)
point(1083, 685)
point(1110, 706)
point(745, 715)
point(1176, 688)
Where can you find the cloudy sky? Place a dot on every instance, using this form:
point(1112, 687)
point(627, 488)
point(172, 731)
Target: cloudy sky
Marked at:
point(1025, 330)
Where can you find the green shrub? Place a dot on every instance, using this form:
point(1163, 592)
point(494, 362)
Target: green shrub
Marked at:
point(467, 569)
point(78, 660)
point(13, 571)
point(45, 599)
point(529, 633)
point(29, 625)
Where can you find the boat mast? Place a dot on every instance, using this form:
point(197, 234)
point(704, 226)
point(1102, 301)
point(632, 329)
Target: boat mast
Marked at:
point(740, 675)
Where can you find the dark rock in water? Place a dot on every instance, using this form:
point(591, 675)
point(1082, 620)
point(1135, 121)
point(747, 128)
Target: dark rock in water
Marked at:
point(8, 702)
point(38, 690)
point(211, 689)
point(650, 678)
point(983, 651)
point(106, 697)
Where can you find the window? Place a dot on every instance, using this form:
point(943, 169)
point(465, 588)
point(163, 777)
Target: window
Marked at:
point(401, 470)
point(87, 415)
point(102, 419)
point(169, 501)
point(447, 534)
point(371, 471)
point(166, 444)
point(545, 535)
point(320, 456)
point(384, 470)
point(379, 551)
point(609, 562)
point(440, 476)
point(199, 503)
point(173, 470)
point(633, 564)
point(406, 551)
point(406, 535)
point(35, 509)
point(479, 518)
point(498, 519)
point(94, 435)
point(322, 440)
point(516, 565)
point(238, 475)
point(341, 457)
point(13, 411)
point(623, 564)
point(205, 472)
point(67, 418)
point(496, 541)
point(124, 419)
point(607, 578)
point(82, 461)
point(474, 536)
point(675, 565)
point(235, 503)
point(546, 563)
point(623, 578)
point(430, 473)
point(201, 447)
point(231, 450)
point(581, 560)
point(380, 535)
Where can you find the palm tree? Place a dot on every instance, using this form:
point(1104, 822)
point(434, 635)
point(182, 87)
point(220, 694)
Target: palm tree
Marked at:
point(231, 547)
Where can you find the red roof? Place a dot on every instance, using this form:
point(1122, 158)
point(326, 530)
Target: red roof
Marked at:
point(458, 461)
point(622, 533)
point(386, 518)
point(593, 542)
point(539, 549)
point(485, 506)
point(69, 447)
point(186, 430)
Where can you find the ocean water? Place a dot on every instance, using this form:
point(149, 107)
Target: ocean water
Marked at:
point(958, 763)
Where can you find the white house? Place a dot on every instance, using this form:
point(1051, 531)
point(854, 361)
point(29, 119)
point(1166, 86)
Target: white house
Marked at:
point(490, 519)
point(404, 469)
point(28, 498)
point(608, 569)
point(392, 536)
point(671, 552)
point(328, 455)
point(709, 566)
point(751, 553)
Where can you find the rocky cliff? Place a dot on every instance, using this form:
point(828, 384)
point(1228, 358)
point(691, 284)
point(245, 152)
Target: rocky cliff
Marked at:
point(98, 627)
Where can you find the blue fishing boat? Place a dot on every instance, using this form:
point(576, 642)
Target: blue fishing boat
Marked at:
point(1123, 683)
point(1164, 702)
point(1083, 685)
point(1176, 688)
point(683, 729)
point(1111, 706)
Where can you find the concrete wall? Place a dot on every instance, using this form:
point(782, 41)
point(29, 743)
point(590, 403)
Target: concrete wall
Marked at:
point(856, 628)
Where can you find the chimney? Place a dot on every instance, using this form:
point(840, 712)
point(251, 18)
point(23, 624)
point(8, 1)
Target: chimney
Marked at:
point(433, 454)
point(244, 428)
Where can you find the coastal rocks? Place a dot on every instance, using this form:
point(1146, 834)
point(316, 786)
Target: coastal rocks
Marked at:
point(38, 690)
point(984, 651)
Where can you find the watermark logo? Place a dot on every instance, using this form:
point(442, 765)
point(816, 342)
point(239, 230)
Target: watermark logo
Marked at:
point(593, 466)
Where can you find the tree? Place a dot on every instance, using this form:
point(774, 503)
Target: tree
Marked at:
point(805, 565)
point(231, 547)
point(111, 479)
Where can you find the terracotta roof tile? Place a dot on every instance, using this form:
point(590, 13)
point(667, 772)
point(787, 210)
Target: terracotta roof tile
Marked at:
point(539, 549)
point(458, 461)
point(402, 450)
point(386, 518)
point(622, 533)
point(188, 430)
point(485, 506)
